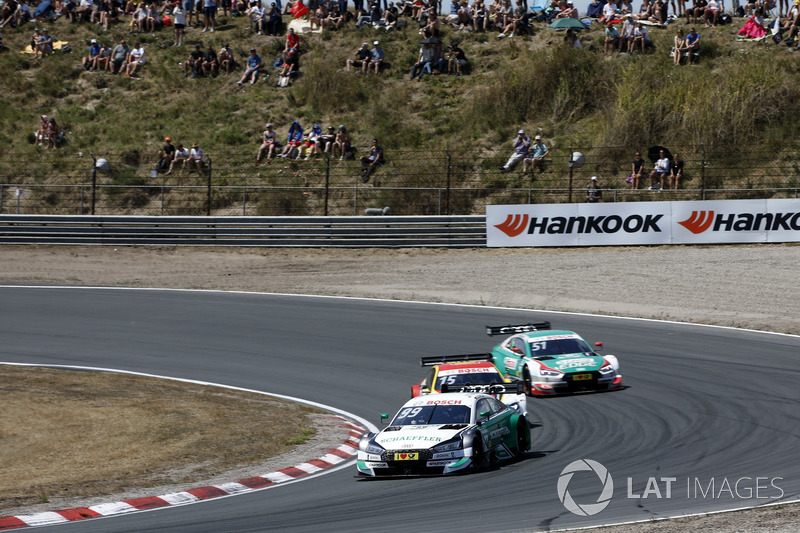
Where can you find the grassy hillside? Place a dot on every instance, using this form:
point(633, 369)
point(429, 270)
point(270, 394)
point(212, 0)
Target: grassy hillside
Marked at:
point(740, 96)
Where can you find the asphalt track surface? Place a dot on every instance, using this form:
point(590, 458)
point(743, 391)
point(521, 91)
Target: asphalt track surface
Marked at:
point(702, 405)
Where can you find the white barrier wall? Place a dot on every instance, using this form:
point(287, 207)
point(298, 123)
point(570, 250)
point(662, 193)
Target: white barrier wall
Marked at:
point(628, 223)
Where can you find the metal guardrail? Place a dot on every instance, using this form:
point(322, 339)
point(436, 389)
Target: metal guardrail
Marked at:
point(343, 232)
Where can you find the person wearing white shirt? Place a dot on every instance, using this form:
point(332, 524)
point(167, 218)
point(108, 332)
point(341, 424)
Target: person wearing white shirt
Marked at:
point(135, 59)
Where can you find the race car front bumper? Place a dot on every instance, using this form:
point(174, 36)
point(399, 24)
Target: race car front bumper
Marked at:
point(569, 385)
point(413, 463)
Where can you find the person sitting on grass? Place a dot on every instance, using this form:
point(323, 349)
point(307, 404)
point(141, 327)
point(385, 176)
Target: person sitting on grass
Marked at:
point(88, 60)
point(44, 46)
point(135, 60)
point(268, 145)
point(210, 63)
point(103, 59)
point(225, 58)
point(253, 68)
point(371, 161)
point(362, 59)
point(182, 156)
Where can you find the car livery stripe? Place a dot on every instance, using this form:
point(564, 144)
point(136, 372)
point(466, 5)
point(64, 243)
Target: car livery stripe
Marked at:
point(331, 458)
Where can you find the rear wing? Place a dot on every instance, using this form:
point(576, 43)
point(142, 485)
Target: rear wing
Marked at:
point(442, 359)
point(495, 389)
point(518, 328)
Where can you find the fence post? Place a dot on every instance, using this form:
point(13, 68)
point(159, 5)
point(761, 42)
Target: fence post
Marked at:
point(703, 172)
point(208, 194)
point(327, 180)
point(571, 165)
point(94, 180)
point(1, 198)
point(244, 197)
point(447, 190)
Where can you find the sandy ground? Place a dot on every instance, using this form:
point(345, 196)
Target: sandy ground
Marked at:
point(748, 286)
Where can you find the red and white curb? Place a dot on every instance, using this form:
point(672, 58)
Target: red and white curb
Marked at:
point(332, 457)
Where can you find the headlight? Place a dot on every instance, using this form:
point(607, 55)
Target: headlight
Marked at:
point(448, 446)
point(373, 448)
point(606, 369)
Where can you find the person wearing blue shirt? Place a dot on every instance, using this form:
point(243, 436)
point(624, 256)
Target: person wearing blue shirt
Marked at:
point(94, 49)
point(253, 67)
point(378, 54)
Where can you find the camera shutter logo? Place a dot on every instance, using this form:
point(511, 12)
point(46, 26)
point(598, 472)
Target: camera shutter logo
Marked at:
point(591, 508)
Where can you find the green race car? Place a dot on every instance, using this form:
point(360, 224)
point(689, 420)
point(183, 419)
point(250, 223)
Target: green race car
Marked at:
point(552, 362)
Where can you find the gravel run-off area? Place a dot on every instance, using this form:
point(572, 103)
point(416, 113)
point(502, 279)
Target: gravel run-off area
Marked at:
point(746, 286)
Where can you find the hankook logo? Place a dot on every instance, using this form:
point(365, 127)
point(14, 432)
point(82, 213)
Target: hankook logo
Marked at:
point(699, 221)
point(513, 225)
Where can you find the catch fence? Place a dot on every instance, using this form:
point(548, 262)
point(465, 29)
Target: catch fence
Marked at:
point(412, 182)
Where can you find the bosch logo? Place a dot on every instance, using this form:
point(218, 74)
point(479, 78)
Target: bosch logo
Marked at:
point(699, 221)
point(513, 225)
point(566, 476)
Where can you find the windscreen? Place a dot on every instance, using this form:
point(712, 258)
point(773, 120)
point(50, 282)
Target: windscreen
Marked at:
point(432, 414)
point(558, 347)
point(472, 378)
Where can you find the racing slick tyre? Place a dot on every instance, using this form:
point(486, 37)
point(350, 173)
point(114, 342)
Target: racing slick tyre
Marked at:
point(522, 442)
point(527, 384)
point(480, 458)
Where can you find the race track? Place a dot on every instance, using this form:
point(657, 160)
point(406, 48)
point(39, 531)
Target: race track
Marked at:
point(709, 407)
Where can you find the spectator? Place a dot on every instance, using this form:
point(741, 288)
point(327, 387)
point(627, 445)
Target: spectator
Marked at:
point(292, 41)
point(660, 172)
point(609, 12)
point(676, 172)
point(252, 69)
point(118, 57)
point(209, 15)
point(612, 39)
point(94, 49)
point(697, 10)
point(54, 134)
point(363, 57)
point(457, 59)
point(370, 161)
point(572, 39)
point(310, 147)
point(153, 20)
point(293, 141)
point(210, 63)
point(711, 13)
point(535, 156)
point(693, 43)
point(41, 133)
point(197, 158)
point(326, 140)
point(521, 144)
point(8, 12)
point(342, 143)
point(103, 59)
point(289, 67)
point(274, 20)
point(593, 193)
point(135, 60)
point(626, 39)
point(138, 19)
point(319, 17)
point(105, 14)
point(226, 59)
point(480, 19)
point(679, 47)
point(194, 64)
point(640, 37)
point(182, 156)
point(378, 55)
point(268, 145)
point(680, 9)
point(390, 17)
point(258, 17)
point(425, 60)
point(226, 8)
point(44, 46)
point(179, 15)
point(658, 12)
point(166, 155)
point(191, 13)
point(637, 171)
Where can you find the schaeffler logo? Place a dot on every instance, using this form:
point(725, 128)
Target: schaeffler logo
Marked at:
point(579, 466)
point(513, 225)
point(699, 221)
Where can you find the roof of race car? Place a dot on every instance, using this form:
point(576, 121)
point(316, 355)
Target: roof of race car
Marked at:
point(468, 365)
point(446, 398)
point(550, 335)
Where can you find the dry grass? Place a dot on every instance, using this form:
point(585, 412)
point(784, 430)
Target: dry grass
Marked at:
point(72, 434)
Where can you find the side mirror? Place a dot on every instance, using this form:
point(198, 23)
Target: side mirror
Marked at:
point(384, 418)
point(483, 415)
